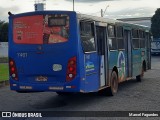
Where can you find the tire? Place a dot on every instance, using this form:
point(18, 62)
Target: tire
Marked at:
point(112, 90)
point(139, 77)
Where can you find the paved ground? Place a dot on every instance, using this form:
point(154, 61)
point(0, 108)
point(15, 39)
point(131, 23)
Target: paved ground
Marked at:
point(132, 96)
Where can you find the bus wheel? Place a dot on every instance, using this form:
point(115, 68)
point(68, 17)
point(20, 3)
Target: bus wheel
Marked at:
point(112, 90)
point(139, 77)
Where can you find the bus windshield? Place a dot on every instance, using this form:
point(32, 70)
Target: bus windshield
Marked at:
point(155, 44)
point(41, 29)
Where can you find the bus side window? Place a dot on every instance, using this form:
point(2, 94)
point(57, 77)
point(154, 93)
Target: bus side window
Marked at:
point(142, 39)
point(135, 38)
point(119, 35)
point(100, 40)
point(112, 38)
point(87, 36)
point(149, 39)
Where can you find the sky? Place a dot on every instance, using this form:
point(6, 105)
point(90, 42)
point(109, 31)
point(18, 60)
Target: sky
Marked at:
point(114, 8)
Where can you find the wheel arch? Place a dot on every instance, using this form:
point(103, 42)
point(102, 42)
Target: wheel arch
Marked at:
point(144, 65)
point(112, 89)
point(115, 69)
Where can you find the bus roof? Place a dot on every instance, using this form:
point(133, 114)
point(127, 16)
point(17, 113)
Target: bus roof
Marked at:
point(88, 18)
point(96, 18)
point(112, 21)
point(134, 26)
point(40, 12)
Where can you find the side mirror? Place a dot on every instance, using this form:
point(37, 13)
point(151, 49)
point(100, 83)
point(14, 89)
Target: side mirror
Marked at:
point(9, 13)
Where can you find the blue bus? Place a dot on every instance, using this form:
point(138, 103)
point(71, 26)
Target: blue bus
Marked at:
point(64, 52)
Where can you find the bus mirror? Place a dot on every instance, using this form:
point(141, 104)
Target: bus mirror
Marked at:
point(9, 13)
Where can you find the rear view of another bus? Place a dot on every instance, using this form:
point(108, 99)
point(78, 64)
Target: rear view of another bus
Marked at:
point(155, 47)
point(43, 51)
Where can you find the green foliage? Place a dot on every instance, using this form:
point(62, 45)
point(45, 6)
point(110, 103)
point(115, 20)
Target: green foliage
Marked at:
point(3, 31)
point(155, 24)
point(4, 73)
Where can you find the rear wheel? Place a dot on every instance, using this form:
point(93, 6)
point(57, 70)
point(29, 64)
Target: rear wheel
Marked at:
point(112, 90)
point(139, 77)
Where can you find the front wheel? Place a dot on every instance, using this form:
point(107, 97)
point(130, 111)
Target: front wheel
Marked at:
point(112, 90)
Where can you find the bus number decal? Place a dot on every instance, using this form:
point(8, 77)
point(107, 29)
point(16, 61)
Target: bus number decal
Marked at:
point(22, 55)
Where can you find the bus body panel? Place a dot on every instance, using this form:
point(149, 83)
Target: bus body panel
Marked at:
point(92, 69)
point(118, 60)
point(35, 62)
point(65, 66)
point(121, 65)
point(137, 62)
point(113, 56)
point(144, 59)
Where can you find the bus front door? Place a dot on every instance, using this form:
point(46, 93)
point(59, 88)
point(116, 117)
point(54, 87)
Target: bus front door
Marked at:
point(128, 49)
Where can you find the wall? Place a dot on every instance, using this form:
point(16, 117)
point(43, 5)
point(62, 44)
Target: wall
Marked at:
point(3, 49)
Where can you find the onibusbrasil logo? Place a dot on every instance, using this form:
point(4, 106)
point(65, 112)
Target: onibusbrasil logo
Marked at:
point(20, 114)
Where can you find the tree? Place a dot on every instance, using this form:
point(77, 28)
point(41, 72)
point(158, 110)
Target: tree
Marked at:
point(155, 24)
point(1, 23)
point(3, 31)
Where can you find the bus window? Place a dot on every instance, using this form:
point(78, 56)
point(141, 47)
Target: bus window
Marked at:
point(100, 39)
point(135, 33)
point(56, 28)
point(28, 30)
point(119, 34)
point(142, 39)
point(87, 36)
point(149, 39)
point(142, 43)
point(111, 38)
point(41, 29)
point(135, 43)
point(135, 39)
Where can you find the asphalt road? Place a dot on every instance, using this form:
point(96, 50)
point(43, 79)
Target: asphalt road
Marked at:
point(131, 96)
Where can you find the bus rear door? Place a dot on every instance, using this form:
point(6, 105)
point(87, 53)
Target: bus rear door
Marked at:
point(102, 53)
point(95, 59)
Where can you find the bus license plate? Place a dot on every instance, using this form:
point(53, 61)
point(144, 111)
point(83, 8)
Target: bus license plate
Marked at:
point(41, 79)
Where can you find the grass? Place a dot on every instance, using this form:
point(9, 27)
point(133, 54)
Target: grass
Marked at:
point(4, 73)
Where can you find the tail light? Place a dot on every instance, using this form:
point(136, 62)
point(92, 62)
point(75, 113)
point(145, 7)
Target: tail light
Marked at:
point(13, 69)
point(71, 69)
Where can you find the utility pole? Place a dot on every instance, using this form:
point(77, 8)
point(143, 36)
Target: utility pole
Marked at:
point(103, 12)
point(73, 5)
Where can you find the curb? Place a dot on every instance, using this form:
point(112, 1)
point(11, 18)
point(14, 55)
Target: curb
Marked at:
point(4, 83)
